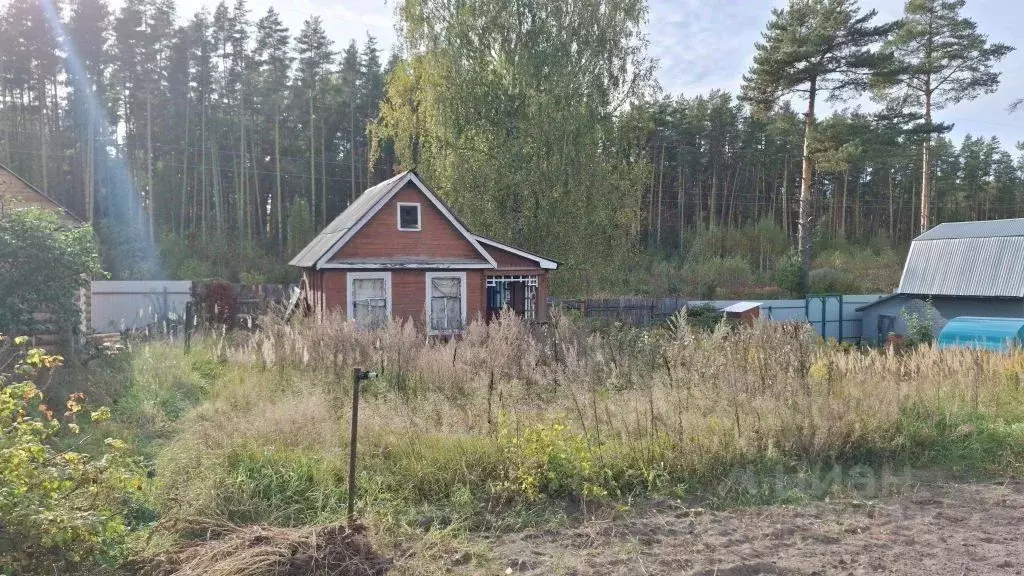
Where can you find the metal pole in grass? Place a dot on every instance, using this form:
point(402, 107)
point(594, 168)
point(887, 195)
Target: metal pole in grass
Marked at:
point(358, 375)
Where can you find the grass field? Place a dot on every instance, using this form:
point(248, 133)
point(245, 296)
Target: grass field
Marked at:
point(514, 426)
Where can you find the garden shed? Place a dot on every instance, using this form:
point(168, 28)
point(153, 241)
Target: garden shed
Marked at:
point(996, 334)
point(972, 269)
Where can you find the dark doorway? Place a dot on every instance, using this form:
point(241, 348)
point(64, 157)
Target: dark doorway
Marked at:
point(518, 293)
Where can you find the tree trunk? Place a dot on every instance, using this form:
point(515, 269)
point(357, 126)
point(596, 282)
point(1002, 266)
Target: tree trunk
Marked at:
point(352, 145)
point(149, 168)
point(926, 173)
point(804, 222)
point(323, 175)
point(681, 202)
point(661, 186)
point(243, 199)
point(277, 176)
point(203, 208)
point(786, 217)
point(892, 229)
point(42, 135)
point(184, 175)
point(842, 205)
point(90, 169)
point(312, 164)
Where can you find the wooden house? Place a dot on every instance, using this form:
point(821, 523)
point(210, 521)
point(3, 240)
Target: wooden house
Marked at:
point(398, 252)
point(16, 193)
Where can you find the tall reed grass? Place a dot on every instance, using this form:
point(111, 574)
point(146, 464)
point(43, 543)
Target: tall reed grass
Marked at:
point(517, 417)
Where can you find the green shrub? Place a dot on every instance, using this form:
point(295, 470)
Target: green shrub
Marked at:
point(710, 276)
point(62, 511)
point(43, 264)
point(787, 273)
point(833, 281)
point(705, 317)
point(550, 460)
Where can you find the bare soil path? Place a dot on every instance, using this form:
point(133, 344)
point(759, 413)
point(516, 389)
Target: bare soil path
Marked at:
point(929, 530)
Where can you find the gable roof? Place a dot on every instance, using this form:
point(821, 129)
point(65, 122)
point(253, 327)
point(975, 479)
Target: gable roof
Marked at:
point(544, 263)
point(982, 258)
point(319, 251)
point(43, 195)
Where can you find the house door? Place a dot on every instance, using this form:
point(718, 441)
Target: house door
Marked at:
point(518, 300)
point(518, 293)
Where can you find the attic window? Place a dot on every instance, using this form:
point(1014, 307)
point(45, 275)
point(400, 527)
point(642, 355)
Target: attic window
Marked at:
point(408, 217)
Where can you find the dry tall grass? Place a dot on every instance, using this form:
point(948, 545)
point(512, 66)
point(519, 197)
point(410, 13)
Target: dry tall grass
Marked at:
point(509, 412)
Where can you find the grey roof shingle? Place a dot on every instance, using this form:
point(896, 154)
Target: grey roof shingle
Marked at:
point(308, 256)
point(983, 259)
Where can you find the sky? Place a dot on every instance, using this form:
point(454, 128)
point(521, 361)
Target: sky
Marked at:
point(701, 45)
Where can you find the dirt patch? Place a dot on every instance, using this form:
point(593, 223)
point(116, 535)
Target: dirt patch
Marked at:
point(931, 530)
point(226, 550)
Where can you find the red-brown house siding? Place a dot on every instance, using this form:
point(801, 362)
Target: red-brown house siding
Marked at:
point(328, 293)
point(437, 238)
point(542, 298)
point(509, 260)
point(408, 295)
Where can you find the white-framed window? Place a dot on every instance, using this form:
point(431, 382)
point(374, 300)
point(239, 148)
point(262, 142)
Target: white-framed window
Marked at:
point(369, 298)
point(446, 302)
point(409, 216)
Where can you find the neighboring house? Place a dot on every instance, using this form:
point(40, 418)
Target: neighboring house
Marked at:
point(17, 193)
point(955, 269)
point(399, 252)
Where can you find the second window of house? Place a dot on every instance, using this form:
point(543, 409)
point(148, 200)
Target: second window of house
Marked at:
point(446, 302)
point(408, 216)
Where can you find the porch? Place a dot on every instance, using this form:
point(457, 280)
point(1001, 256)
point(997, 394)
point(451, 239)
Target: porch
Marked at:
point(517, 292)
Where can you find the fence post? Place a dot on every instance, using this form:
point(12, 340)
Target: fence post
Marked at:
point(358, 375)
point(189, 320)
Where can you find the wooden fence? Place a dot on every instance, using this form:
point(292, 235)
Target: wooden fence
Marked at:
point(833, 316)
point(635, 311)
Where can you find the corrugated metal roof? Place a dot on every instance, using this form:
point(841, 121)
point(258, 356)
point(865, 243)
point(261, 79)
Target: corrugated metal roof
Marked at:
point(975, 229)
point(308, 256)
point(971, 266)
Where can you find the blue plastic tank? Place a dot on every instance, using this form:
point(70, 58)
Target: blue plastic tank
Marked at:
point(996, 334)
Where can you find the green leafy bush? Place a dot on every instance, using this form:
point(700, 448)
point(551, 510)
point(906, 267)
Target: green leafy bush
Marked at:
point(62, 511)
point(43, 263)
point(920, 325)
point(787, 273)
point(833, 281)
point(710, 276)
point(704, 317)
point(550, 460)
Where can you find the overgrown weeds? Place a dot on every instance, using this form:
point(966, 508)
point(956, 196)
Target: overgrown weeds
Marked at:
point(514, 425)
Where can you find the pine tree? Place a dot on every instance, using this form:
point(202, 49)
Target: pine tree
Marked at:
point(315, 58)
point(88, 30)
point(940, 59)
point(813, 47)
point(349, 76)
point(273, 66)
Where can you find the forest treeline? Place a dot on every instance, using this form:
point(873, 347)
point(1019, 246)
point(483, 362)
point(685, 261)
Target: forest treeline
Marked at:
point(221, 140)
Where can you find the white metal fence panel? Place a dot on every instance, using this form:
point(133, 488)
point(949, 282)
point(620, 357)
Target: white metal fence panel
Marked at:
point(122, 305)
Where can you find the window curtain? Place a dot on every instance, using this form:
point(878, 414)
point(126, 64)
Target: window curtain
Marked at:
point(369, 302)
point(445, 304)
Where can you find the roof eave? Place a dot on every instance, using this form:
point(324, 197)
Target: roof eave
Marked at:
point(544, 263)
